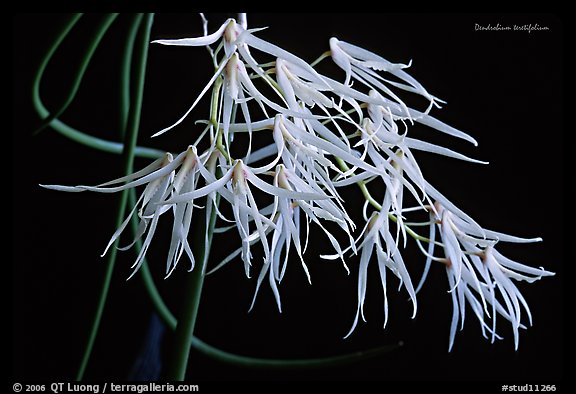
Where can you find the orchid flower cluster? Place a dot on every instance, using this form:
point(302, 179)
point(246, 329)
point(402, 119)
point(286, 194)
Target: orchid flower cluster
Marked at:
point(323, 135)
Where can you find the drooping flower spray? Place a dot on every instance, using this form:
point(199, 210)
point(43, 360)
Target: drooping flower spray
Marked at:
point(324, 134)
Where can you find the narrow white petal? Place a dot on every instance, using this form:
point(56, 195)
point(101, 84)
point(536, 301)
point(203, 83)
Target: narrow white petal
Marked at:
point(284, 193)
point(508, 263)
point(61, 188)
point(340, 58)
point(455, 312)
point(354, 324)
point(262, 153)
point(156, 175)
point(332, 149)
point(203, 191)
point(304, 72)
point(214, 77)
point(198, 41)
point(440, 126)
point(407, 281)
point(328, 134)
point(510, 238)
point(366, 78)
point(258, 221)
point(435, 194)
point(363, 277)
point(382, 269)
point(354, 179)
point(275, 290)
point(430, 253)
point(462, 302)
point(228, 259)
point(246, 56)
point(272, 49)
point(145, 246)
point(120, 229)
point(363, 54)
point(140, 173)
point(265, 124)
point(261, 276)
point(227, 104)
point(428, 147)
point(285, 85)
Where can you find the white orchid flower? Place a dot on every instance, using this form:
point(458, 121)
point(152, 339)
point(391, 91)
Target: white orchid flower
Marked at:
point(237, 42)
point(388, 255)
point(163, 178)
point(287, 231)
point(234, 186)
point(287, 214)
point(360, 64)
point(480, 275)
point(294, 87)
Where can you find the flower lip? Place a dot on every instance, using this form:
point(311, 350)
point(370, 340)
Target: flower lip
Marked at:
point(282, 177)
point(232, 31)
point(190, 162)
point(239, 177)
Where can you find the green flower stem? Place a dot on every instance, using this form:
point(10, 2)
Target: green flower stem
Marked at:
point(103, 28)
point(130, 144)
point(193, 290)
point(178, 363)
point(63, 128)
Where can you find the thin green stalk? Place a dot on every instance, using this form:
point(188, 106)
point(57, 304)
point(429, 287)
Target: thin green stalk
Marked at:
point(63, 128)
point(110, 263)
point(95, 142)
point(127, 56)
point(103, 28)
point(193, 291)
point(320, 58)
point(286, 364)
point(130, 143)
point(44, 63)
point(157, 301)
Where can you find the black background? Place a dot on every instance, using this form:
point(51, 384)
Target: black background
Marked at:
point(504, 88)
